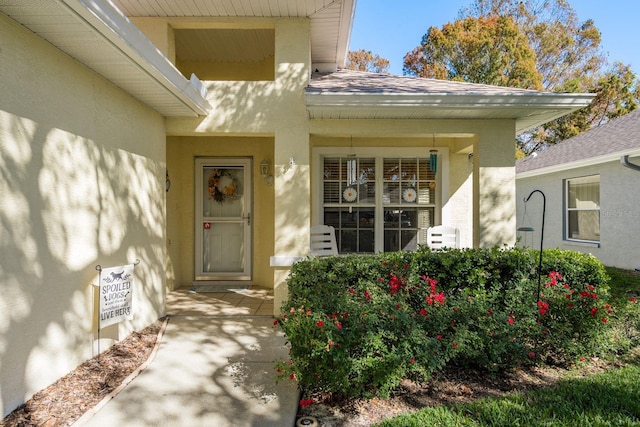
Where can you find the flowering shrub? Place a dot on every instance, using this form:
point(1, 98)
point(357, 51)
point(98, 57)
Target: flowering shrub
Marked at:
point(572, 319)
point(358, 325)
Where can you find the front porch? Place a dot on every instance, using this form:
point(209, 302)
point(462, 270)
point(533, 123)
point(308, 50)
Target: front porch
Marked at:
point(254, 301)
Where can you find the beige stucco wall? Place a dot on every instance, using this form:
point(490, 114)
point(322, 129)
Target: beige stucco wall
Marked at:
point(458, 211)
point(486, 212)
point(231, 71)
point(494, 189)
point(181, 154)
point(82, 184)
point(258, 109)
point(277, 109)
point(619, 212)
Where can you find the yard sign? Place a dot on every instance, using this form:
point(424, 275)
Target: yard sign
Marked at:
point(116, 294)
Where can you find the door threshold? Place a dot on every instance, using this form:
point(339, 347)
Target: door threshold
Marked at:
point(212, 286)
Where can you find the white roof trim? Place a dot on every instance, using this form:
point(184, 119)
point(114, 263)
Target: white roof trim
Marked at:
point(344, 31)
point(447, 99)
point(592, 161)
point(117, 30)
point(543, 107)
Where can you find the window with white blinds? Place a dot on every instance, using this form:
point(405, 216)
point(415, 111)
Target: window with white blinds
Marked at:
point(378, 203)
point(582, 215)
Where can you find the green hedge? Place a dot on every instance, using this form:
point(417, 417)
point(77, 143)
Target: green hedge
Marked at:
point(358, 325)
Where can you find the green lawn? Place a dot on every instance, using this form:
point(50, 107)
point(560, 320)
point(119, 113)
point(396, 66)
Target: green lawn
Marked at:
point(624, 282)
point(608, 399)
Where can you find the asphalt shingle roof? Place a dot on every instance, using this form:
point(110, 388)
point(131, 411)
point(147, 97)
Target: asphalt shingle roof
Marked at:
point(358, 82)
point(616, 136)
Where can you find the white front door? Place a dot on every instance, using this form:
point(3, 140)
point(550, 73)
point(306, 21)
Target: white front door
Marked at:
point(223, 219)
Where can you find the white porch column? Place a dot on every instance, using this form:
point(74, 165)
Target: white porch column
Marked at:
point(292, 178)
point(494, 185)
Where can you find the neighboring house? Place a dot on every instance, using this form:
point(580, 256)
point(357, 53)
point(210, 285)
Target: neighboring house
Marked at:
point(111, 151)
point(592, 197)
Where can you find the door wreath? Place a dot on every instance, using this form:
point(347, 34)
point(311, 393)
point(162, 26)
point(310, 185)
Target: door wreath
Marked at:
point(223, 186)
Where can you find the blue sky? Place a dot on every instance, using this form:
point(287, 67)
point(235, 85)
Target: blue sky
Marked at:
point(391, 29)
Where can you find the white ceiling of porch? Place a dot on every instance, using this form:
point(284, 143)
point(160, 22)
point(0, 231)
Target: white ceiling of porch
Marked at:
point(330, 19)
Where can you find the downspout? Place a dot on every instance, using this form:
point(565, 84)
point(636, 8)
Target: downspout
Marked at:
point(625, 162)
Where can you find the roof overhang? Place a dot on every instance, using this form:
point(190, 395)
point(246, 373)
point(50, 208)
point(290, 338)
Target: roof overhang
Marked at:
point(330, 20)
point(98, 35)
point(591, 161)
point(528, 109)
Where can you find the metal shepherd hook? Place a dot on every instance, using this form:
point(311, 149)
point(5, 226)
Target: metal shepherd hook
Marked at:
point(544, 209)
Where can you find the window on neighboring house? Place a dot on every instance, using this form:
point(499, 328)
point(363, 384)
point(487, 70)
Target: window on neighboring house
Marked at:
point(378, 203)
point(582, 217)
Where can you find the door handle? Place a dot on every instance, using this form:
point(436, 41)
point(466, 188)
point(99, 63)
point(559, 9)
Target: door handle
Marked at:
point(248, 218)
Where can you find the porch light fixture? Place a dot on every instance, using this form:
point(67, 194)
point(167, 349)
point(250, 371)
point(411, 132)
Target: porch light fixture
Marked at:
point(167, 182)
point(264, 171)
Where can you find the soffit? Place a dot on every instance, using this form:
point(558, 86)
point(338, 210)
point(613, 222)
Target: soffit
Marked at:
point(526, 115)
point(97, 35)
point(331, 20)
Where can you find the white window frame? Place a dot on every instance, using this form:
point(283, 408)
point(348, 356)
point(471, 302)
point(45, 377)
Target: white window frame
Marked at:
point(319, 153)
point(567, 209)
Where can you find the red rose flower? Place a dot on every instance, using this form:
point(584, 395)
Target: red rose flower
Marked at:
point(306, 402)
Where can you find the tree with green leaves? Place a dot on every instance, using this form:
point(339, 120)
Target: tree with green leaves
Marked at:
point(567, 55)
point(617, 93)
point(365, 60)
point(489, 50)
point(564, 47)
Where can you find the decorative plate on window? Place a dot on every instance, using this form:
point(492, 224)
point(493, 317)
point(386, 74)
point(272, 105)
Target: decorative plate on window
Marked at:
point(350, 194)
point(409, 195)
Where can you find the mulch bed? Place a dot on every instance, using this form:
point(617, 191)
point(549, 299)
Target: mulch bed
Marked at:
point(453, 385)
point(66, 400)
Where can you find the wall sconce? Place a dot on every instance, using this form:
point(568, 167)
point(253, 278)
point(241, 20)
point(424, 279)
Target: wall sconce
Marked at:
point(264, 171)
point(168, 182)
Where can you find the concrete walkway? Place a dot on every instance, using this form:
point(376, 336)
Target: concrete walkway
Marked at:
point(209, 370)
